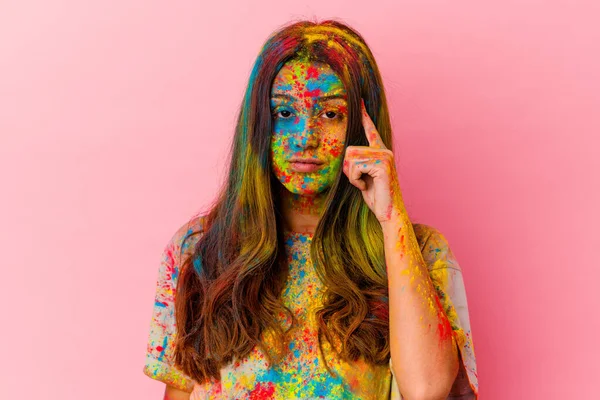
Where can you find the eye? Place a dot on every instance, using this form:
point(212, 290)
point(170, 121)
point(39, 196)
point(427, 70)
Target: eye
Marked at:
point(285, 114)
point(331, 114)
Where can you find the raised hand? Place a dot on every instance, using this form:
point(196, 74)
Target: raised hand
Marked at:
point(373, 171)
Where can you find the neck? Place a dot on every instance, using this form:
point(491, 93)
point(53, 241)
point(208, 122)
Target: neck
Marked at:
point(301, 213)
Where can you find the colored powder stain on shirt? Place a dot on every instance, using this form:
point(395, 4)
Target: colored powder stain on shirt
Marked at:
point(301, 372)
point(262, 391)
point(162, 348)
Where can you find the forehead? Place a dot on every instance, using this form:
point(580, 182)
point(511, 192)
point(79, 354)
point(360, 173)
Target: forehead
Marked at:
point(307, 79)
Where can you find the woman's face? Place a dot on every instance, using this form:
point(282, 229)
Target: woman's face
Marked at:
point(310, 116)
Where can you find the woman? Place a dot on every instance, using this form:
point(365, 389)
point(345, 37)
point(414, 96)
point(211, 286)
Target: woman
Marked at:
point(307, 279)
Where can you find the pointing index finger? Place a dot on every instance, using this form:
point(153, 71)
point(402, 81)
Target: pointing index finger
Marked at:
point(370, 130)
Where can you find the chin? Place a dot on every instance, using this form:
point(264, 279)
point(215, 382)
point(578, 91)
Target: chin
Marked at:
point(307, 191)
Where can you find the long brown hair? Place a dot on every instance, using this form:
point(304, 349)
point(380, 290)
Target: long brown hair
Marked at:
point(229, 288)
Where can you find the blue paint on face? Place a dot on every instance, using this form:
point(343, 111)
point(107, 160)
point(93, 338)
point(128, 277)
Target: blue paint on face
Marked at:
point(325, 83)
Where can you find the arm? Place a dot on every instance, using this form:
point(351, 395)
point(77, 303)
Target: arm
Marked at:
point(422, 345)
point(424, 355)
point(172, 393)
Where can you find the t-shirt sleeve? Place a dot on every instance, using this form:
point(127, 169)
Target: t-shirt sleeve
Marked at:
point(161, 339)
point(447, 279)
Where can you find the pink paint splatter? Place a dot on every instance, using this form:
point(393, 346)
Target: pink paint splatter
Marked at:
point(262, 392)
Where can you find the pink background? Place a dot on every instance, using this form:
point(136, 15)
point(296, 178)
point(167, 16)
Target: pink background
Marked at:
point(115, 117)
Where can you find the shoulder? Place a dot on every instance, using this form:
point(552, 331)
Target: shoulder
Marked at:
point(427, 234)
point(434, 246)
point(185, 237)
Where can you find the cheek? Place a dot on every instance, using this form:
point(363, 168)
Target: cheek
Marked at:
point(277, 150)
point(334, 141)
point(290, 126)
point(285, 134)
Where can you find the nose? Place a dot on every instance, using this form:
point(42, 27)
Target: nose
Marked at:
point(305, 138)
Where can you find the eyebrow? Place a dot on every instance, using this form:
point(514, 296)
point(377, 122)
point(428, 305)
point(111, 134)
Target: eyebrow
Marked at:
point(319, 98)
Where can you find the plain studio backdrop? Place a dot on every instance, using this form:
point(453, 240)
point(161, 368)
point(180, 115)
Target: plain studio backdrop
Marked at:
point(116, 117)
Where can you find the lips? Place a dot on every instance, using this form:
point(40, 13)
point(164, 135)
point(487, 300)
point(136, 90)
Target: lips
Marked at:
point(305, 164)
point(306, 160)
